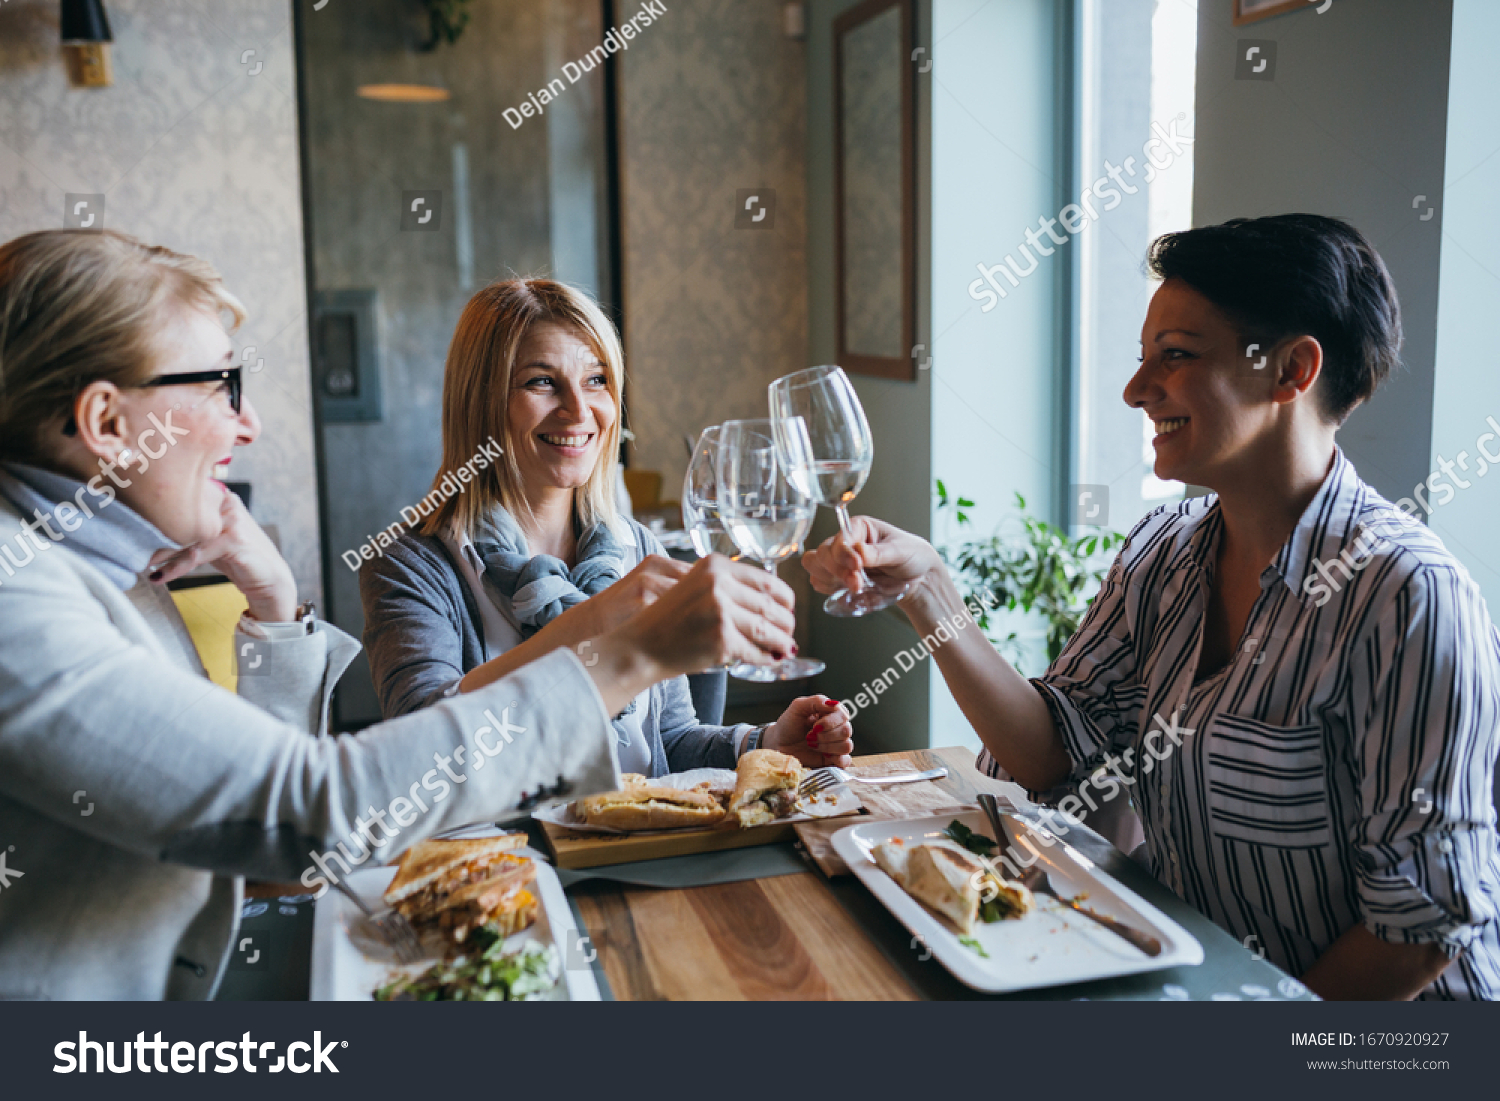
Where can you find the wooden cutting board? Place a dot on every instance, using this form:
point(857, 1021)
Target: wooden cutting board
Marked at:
point(577, 849)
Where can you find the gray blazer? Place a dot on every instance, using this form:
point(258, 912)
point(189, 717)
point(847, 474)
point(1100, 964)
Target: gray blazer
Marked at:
point(423, 632)
point(134, 793)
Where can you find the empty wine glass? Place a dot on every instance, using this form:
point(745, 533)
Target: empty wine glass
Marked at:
point(766, 516)
point(824, 444)
point(700, 499)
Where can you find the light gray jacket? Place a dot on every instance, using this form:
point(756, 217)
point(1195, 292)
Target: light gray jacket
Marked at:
point(123, 771)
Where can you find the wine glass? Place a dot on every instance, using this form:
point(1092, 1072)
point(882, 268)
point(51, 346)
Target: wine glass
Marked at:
point(700, 499)
point(823, 442)
point(766, 516)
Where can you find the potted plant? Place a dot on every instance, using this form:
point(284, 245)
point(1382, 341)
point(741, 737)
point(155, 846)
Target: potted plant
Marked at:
point(1039, 569)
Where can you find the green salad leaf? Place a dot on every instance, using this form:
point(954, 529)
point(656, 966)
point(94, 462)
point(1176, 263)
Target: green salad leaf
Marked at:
point(486, 973)
point(970, 942)
point(976, 843)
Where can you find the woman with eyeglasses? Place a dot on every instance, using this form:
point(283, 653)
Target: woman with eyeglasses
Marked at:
point(135, 793)
point(1294, 683)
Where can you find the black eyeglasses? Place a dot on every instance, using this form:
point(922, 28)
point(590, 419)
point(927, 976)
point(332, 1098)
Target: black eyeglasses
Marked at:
point(230, 375)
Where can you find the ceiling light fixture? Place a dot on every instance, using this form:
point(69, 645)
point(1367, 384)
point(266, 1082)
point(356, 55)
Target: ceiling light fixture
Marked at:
point(404, 93)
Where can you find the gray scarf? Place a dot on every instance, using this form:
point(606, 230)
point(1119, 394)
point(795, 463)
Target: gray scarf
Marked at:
point(533, 590)
point(115, 540)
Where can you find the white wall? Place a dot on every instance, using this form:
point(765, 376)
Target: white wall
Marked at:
point(1467, 388)
point(1352, 126)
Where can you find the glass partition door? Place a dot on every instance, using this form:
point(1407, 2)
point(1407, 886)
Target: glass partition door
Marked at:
point(431, 169)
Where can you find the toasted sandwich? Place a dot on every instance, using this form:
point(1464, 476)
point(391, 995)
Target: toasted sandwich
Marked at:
point(650, 807)
point(452, 887)
point(765, 788)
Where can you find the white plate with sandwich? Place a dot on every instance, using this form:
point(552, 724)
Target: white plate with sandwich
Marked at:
point(1030, 941)
point(474, 902)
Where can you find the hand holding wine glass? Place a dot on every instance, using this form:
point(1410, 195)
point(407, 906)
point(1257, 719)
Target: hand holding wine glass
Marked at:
point(825, 445)
point(891, 558)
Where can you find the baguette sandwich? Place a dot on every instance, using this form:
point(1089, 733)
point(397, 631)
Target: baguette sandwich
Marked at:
point(765, 788)
point(952, 881)
point(453, 887)
point(650, 807)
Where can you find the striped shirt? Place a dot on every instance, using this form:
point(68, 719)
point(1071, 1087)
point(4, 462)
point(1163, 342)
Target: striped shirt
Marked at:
point(1338, 770)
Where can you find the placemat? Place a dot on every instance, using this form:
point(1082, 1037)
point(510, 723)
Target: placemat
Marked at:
point(696, 870)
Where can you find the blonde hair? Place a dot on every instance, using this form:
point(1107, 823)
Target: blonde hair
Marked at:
point(78, 307)
point(476, 400)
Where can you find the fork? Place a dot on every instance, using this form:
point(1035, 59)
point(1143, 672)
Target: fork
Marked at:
point(820, 779)
point(393, 927)
point(1035, 879)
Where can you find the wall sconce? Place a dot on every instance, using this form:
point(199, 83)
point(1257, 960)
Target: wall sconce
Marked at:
point(85, 39)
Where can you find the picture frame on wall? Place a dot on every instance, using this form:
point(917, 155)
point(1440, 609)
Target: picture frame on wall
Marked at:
point(1252, 11)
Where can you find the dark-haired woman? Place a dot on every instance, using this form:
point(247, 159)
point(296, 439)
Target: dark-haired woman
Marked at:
point(1297, 685)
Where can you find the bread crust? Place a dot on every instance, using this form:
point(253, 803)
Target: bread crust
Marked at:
point(427, 861)
point(941, 875)
point(761, 772)
point(650, 807)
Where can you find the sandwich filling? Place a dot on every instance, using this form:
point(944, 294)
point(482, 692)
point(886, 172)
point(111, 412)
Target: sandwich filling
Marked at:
point(453, 887)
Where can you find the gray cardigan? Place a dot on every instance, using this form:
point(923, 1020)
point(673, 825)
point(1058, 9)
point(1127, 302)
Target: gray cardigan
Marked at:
point(423, 632)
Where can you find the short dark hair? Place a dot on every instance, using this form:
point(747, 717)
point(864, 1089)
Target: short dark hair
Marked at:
point(1296, 274)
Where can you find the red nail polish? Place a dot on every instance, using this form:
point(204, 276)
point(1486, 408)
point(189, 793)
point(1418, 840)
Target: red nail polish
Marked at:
point(794, 647)
point(817, 727)
point(778, 655)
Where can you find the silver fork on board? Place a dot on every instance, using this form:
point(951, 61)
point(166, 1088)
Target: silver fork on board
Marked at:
point(820, 779)
point(1036, 881)
point(393, 927)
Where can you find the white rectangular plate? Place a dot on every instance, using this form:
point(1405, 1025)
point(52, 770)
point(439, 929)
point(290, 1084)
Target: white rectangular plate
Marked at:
point(832, 803)
point(1051, 945)
point(348, 966)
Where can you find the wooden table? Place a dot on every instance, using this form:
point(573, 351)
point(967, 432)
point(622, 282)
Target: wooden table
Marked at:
point(802, 936)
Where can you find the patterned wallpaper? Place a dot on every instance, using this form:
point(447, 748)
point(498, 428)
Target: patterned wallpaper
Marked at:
point(713, 101)
point(194, 147)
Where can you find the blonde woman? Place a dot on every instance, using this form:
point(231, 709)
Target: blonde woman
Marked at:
point(120, 407)
point(531, 554)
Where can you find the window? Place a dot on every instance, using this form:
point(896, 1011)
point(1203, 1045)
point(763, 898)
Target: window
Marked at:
point(1134, 97)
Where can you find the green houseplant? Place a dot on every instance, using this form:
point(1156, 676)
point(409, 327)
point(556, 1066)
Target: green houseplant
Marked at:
point(1041, 569)
point(446, 20)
